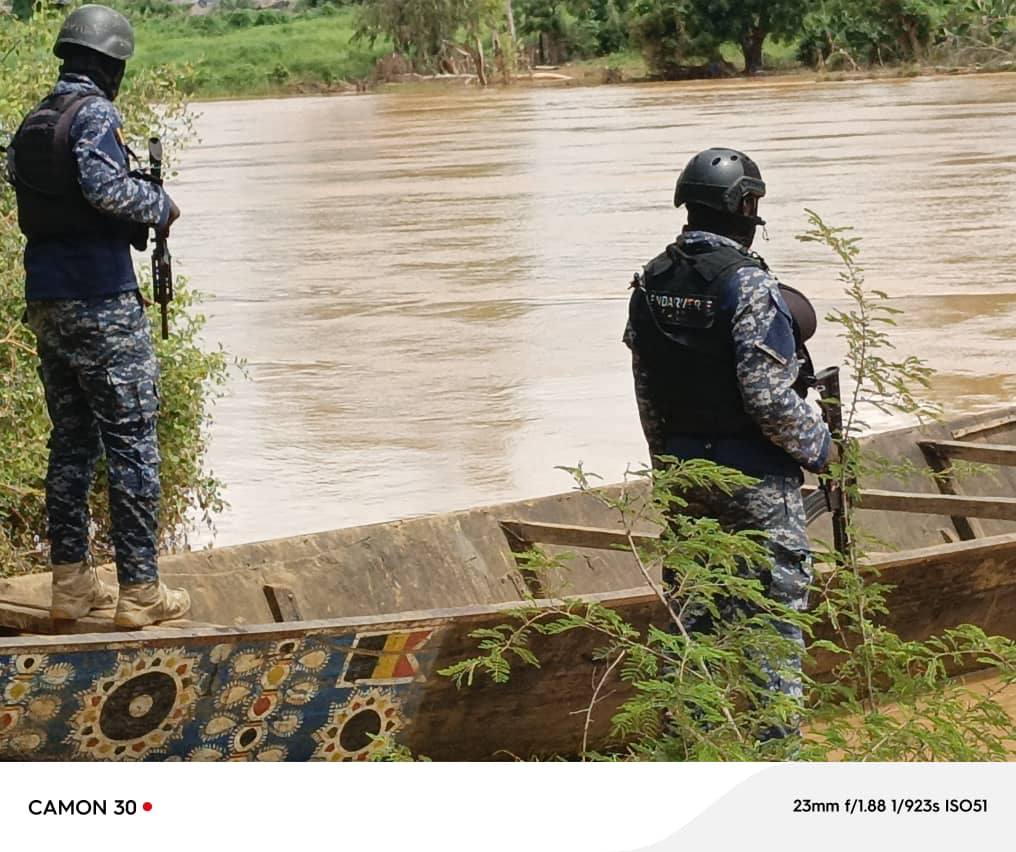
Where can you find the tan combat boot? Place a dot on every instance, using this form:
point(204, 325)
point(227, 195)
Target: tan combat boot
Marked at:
point(77, 590)
point(147, 603)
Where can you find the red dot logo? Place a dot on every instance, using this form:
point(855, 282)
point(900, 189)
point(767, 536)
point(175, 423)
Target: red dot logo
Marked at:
point(147, 806)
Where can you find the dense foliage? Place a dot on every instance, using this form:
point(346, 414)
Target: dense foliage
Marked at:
point(677, 34)
point(748, 23)
point(557, 31)
point(239, 48)
point(430, 32)
point(674, 33)
point(189, 374)
point(868, 32)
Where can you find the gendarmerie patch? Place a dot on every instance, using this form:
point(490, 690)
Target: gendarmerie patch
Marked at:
point(682, 311)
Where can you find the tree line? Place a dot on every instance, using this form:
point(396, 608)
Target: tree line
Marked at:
point(675, 35)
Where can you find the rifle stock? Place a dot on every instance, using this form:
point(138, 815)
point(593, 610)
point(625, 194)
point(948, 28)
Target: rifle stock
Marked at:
point(162, 260)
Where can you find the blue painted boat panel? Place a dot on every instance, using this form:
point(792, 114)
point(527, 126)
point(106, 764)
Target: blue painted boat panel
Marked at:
point(302, 697)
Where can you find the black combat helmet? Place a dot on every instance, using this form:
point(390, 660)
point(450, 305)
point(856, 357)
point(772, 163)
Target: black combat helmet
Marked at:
point(99, 28)
point(719, 178)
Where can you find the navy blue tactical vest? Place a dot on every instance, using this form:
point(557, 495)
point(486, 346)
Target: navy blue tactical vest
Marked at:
point(50, 202)
point(682, 314)
point(74, 250)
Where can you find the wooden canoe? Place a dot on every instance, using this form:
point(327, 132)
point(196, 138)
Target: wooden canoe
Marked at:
point(309, 647)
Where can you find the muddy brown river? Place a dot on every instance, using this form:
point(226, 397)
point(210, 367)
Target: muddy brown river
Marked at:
point(429, 289)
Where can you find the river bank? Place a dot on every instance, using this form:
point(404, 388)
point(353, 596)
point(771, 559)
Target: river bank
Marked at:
point(596, 73)
point(246, 53)
point(586, 74)
point(581, 74)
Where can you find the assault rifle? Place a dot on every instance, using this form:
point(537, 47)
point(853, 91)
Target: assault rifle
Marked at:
point(830, 497)
point(162, 260)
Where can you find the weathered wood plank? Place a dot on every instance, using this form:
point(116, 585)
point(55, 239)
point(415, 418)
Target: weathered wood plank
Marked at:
point(996, 508)
point(282, 603)
point(538, 712)
point(987, 424)
point(35, 589)
point(940, 587)
point(994, 549)
point(33, 619)
point(1000, 454)
point(572, 536)
point(316, 627)
point(966, 528)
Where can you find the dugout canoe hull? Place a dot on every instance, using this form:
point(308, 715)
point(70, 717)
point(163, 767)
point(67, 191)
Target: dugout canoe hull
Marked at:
point(312, 646)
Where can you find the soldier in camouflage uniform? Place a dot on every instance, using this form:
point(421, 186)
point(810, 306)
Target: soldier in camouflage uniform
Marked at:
point(81, 209)
point(717, 357)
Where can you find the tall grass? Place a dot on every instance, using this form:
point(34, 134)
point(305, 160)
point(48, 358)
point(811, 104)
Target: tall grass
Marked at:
point(249, 53)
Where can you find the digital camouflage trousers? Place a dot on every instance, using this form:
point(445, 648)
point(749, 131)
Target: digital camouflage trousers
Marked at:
point(100, 374)
point(774, 506)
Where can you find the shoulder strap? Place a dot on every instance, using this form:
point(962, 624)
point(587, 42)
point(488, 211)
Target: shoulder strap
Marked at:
point(659, 266)
point(710, 265)
point(68, 112)
point(49, 115)
point(62, 146)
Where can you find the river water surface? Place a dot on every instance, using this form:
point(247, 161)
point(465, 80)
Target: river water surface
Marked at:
point(430, 289)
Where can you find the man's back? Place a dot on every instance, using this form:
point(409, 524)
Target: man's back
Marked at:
point(81, 216)
point(715, 361)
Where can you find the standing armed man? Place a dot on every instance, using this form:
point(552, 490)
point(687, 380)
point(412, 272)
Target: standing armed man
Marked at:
point(715, 359)
point(81, 210)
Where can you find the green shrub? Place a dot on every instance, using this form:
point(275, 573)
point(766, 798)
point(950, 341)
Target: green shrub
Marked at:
point(660, 30)
point(279, 74)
